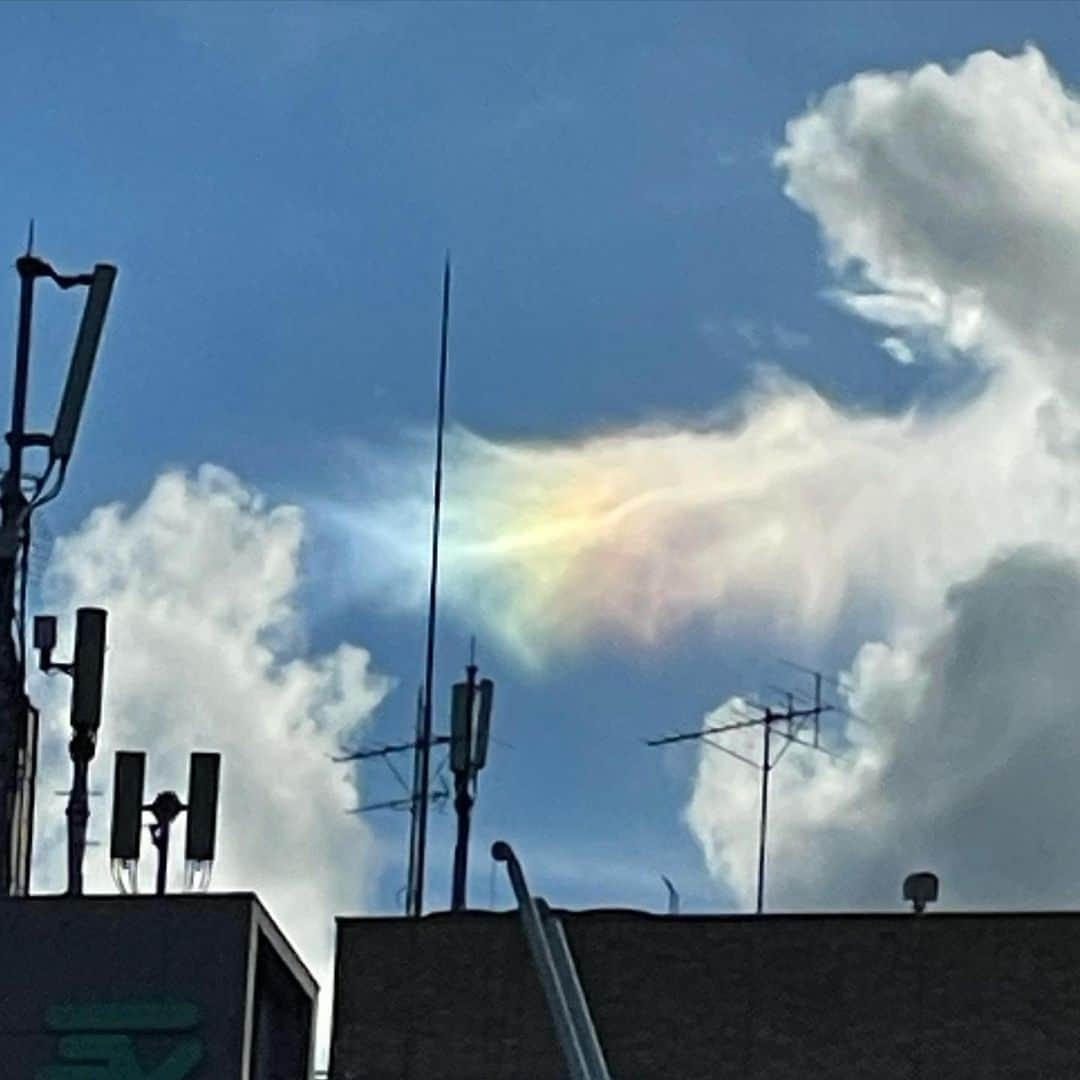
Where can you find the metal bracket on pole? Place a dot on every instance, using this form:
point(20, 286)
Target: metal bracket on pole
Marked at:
point(558, 975)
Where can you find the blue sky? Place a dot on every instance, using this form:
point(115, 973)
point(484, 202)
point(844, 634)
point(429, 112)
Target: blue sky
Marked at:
point(278, 185)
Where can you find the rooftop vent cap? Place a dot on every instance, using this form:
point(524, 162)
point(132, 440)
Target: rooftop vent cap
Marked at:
point(921, 889)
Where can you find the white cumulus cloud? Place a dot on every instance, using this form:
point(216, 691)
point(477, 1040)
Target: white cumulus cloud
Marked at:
point(949, 203)
point(206, 652)
point(963, 763)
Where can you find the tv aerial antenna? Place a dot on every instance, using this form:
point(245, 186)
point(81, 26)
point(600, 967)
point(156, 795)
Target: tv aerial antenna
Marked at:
point(386, 752)
point(797, 723)
point(437, 794)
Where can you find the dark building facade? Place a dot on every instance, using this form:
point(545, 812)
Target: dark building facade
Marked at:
point(186, 987)
point(783, 997)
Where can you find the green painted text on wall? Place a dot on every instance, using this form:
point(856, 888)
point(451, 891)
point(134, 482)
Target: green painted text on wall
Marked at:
point(97, 1040)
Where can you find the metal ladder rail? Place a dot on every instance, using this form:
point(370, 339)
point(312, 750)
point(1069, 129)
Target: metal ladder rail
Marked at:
point(555, 966)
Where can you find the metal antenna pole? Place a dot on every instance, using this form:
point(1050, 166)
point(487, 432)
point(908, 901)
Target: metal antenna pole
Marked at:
point(78, 813)
point(766, 766)
point(12, 503)
point(18, 737)
point(166, 808)
point(27, 783)
point(414, 817)
point(162, 844)
point(429, 660)
point(463, 801)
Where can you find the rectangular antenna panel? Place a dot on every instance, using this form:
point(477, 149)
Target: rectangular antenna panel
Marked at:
point(460, 728)
point(89, 669)
point(45, 632)
point(203, 782)
point(82, 361)
point(128, 781)
point(483, 724)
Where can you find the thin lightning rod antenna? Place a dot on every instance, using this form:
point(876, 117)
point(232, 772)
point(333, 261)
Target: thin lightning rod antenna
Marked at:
point(30, 238)
point(433, 592)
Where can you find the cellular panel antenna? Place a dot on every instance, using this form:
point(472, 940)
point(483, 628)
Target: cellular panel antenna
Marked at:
point(200, 842)
point(87, 672)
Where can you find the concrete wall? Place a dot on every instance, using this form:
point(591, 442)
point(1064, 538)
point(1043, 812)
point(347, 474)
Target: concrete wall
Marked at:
point(794, 997)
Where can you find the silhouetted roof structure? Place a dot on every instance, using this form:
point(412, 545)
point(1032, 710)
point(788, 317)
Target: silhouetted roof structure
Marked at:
point(127, 983)
point(706, 998)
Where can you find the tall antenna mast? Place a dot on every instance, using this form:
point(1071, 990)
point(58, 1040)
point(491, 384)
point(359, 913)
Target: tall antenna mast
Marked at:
point(20, 494)
point(471, 713)
point(433, 591)
point(786, 723)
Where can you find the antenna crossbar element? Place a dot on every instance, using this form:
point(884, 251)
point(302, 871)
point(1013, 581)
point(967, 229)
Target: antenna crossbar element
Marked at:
point(768, 716)
point(686, 736)
point(386, 751)
point(786, 723)
point(731, 753)
point(793, 740)
point(405, 803)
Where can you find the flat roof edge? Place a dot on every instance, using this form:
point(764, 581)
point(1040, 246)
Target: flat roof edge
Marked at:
point(740, 917)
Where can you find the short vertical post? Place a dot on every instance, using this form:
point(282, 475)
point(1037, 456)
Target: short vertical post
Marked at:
point(161, 842)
